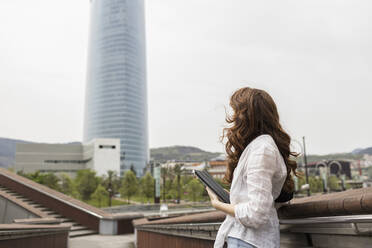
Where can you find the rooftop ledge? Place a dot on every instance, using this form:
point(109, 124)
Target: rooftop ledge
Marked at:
point(349, 202)
point(17, 231)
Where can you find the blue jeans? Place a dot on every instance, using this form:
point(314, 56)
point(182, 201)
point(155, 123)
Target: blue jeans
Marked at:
point(238, 243)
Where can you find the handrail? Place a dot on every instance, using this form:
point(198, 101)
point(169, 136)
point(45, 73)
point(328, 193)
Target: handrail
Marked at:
point(181, 224)
point(20, 203)
point(367, 218)
point(54, 197)
point(313, 220)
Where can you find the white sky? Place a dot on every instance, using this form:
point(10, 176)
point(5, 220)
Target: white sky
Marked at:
point(313, 57)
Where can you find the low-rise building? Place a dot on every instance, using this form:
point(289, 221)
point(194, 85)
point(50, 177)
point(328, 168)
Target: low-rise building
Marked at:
point(190, 167)
point(217, 166)
point(99, 155)
point(217, 169)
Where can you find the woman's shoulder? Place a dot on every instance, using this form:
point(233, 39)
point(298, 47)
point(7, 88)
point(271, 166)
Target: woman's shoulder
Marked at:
point(264, 141)
point(263, 145)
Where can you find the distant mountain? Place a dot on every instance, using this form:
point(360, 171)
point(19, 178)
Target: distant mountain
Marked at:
point(357, 151)
point(367, 150)
point(336, 156)
point(181, 153)
point(356, 154)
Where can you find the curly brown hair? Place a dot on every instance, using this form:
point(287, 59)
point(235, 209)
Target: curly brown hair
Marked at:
point(255, 113)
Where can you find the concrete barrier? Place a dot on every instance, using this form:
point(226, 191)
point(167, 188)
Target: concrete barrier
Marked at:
point(34, 236)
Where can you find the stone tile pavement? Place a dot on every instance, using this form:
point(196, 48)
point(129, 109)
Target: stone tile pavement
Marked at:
point(103, 241)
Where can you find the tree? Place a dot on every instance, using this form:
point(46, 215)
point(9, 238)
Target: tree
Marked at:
point(333, 183)
point(185, 180)
point(36, 176)
point(170, 192)
point(86, 183)
point(129, 185)
point(177, 171)
point(112, 183)
point(133, 170)
point(164, 172)
point(167, 175)
point(194, 188)
point(100, 194)
point(147, 185)
point(67, 185)
point(316, 184)
point(50, 180)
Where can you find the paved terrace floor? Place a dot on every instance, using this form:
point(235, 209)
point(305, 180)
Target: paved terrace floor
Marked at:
point(103, 241)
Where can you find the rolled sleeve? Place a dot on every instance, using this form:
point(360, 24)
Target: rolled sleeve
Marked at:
point(260, 168)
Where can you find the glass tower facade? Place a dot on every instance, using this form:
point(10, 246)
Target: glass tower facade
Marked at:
point(116, 92)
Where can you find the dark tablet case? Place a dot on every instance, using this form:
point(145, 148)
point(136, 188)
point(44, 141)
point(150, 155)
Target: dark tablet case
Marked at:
point(208, 181)
point(224, 196)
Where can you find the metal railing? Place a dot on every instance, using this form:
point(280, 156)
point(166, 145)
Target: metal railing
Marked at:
point(329, 220)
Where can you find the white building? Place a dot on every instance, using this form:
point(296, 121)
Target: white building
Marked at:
point(99, 155)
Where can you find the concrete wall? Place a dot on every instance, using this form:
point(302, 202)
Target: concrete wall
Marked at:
point(151, 239)
point(49, 158)
point(32, 236)
point(10, 211)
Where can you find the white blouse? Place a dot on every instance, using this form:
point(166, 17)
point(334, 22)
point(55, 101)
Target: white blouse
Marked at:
point(257, 182)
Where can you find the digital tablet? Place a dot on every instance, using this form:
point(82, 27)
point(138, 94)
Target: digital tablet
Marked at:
point(208, 181)
point(224, 196)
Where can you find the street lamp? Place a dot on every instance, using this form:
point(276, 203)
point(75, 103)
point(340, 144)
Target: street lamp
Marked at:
point(110, 196)
point(303, 152)
point(305, 161)
point(109, 186)
point(322, 167)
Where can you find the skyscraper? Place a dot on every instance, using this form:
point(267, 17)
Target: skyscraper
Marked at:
point(116, 92)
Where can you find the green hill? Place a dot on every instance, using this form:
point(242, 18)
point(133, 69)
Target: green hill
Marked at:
point(181, 153)
point(335, 156)
point(366, 151)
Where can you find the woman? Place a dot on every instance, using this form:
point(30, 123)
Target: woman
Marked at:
point(259, 168)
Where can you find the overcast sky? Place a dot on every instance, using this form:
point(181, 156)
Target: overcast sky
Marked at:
point(313, 57)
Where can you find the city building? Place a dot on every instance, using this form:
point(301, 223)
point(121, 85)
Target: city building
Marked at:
point(188, 168)
point(217, 169)
point(334, 167)
point(116, 91)
point(367, 160)
point(217, 166)
point(99, 155)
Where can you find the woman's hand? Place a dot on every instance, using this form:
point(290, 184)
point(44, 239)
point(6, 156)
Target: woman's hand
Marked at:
point(212, 196)
point(217, 204)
